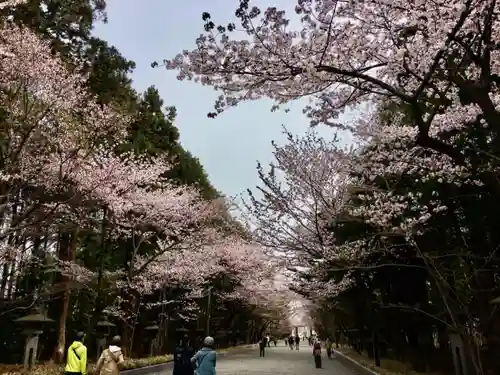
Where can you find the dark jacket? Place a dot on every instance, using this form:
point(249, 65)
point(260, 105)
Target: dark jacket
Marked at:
point(182, 360)
point(317, 349)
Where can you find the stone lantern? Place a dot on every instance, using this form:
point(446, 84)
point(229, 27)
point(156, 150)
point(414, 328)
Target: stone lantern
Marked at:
point(182, 330)
point(198, 340)
point(461, 360)
point(152, 331)
point(231, 338)
point(104, 327)
point(237, 337)
point(33, 327)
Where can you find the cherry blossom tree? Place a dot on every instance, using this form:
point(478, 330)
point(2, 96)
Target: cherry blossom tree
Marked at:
point(300, 197)
point(394, 205)
point(349, 55)
point(11, 3)
point(302, 191)
point(49, 120)
point(60, 176)
point(241, 271)
point(232, 270)
point(140, 205)
point(439, 59)
point(187, 252)
point(246, 272)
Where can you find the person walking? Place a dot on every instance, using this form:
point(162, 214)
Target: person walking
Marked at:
point(76, 358)
point(275, 342)
point(182, 358)
point(317, 354)
point(205, 359)
point(268, 341)
point(297, 342)
point(290, 342)
point(329, 346)
point(111, 359)
point(262, 347)
point(333, 354)
point(264, 340)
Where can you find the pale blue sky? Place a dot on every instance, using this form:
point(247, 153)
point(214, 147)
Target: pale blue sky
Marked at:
point(228, 146)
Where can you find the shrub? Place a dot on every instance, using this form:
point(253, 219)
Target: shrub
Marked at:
point(48, 369)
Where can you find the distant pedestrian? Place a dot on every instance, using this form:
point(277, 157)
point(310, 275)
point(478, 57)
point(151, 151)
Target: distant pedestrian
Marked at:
point(76, 362)
point(182, 358)
point(329, 346)
point(297, 342)
point(317, 354)
point(265, 340)
point(262, 347)
point(275, 342)
point(268, 341)
point(204, 361)
point(290, 342)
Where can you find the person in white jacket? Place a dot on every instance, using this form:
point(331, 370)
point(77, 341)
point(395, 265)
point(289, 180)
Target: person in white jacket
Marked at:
point(111, 359)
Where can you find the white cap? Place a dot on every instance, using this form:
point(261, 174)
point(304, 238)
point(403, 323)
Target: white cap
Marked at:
point(209, 341)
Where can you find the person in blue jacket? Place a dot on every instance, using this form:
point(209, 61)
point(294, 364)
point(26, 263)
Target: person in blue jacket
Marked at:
point(204, 360)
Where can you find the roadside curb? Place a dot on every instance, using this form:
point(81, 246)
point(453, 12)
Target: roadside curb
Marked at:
point(148, 369)
point(356, 363)
point(234, 350)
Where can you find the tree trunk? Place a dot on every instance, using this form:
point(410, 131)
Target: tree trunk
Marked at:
point(12, 279)
point(131, 308)
point(5, 277)
point(67, 252)
point(99, 301)
point(9, 265)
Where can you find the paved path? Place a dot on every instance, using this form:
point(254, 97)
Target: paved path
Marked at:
point(280, 361)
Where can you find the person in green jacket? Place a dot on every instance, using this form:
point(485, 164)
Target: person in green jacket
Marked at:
point(76, 360)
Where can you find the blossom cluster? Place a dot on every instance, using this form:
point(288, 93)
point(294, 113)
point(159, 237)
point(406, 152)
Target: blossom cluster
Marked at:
point(421, 79)
point(59, 154)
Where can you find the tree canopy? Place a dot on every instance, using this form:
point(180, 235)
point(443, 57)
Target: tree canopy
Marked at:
point(394, 238)
point(104, 213)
